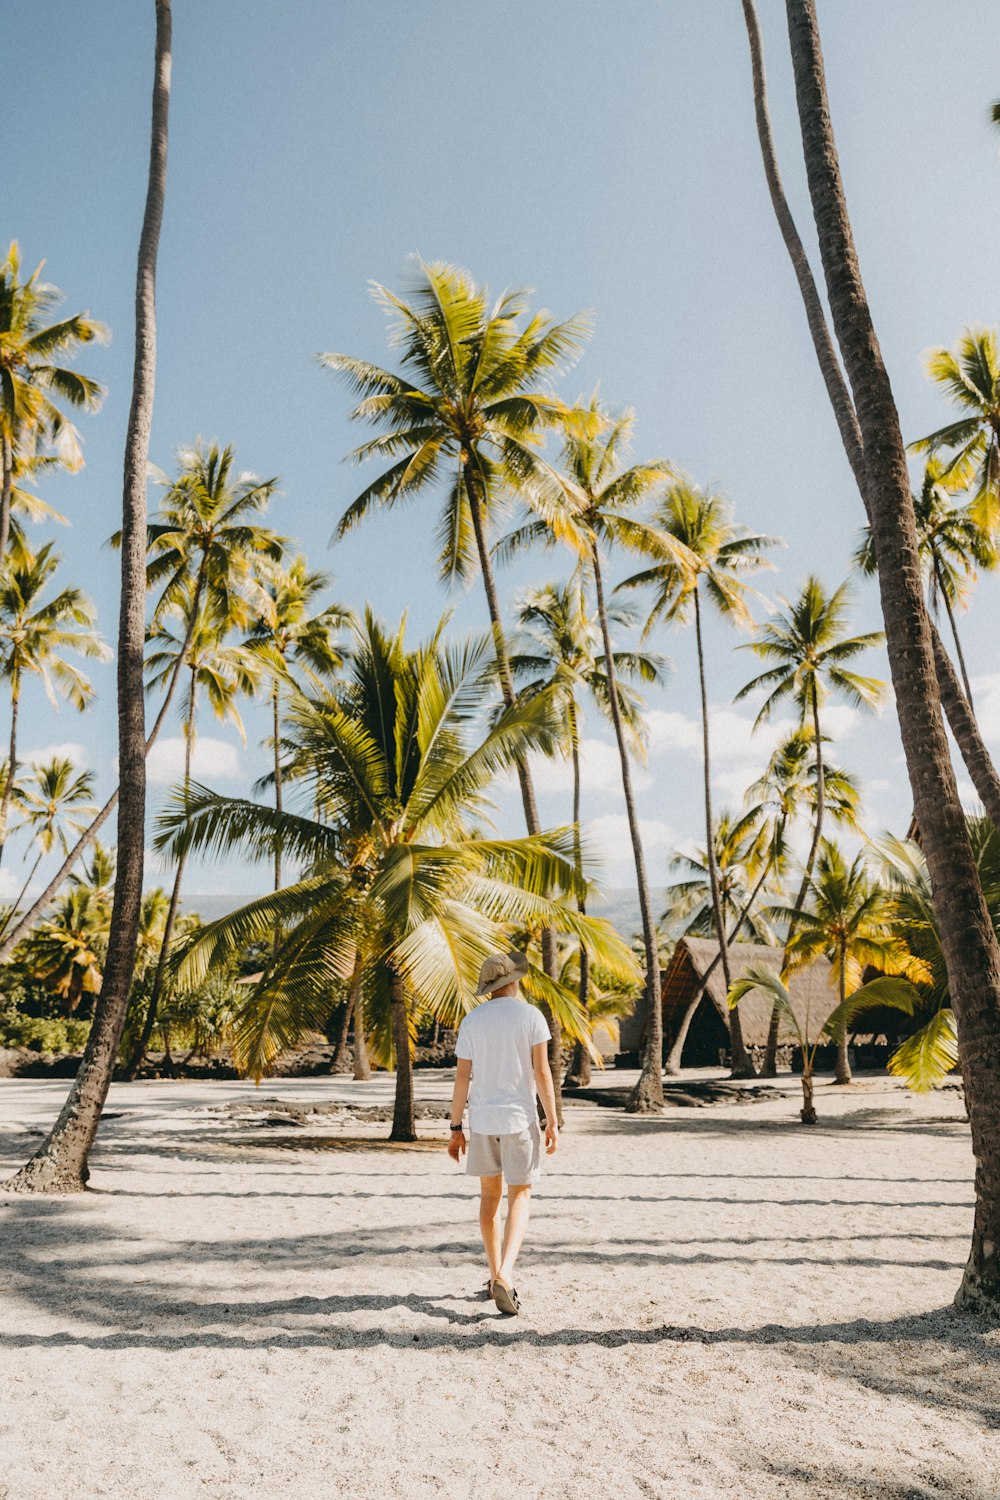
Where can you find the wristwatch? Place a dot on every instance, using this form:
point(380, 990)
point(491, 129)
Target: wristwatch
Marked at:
point(458, 1127)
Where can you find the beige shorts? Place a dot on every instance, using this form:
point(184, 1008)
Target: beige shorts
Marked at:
point(518, 1156)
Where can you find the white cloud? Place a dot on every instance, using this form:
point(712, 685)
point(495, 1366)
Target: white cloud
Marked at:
point(609, 843)
point(67, 749)
point(213, 760)
point(838, 719)
point(672, 731)
point(10, 885)
point(732, 734)
point(600, 770)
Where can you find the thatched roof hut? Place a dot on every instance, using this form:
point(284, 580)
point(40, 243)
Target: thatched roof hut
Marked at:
point(708, 1031)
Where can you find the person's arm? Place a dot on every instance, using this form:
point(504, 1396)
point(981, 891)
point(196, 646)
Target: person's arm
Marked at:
point(547, 1094)
point(457, 1144)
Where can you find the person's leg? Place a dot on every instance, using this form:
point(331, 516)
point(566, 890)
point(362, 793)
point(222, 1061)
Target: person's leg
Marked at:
point(518, 1204)
point(490, 1195)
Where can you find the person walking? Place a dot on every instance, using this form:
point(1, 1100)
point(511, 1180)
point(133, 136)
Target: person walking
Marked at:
point(502, 1052)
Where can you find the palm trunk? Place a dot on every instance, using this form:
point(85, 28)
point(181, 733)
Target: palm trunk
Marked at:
point(978, 762)
point(962, 721)
point(647, 1096)
point(741, 1066)
point(842, 1072)
point(90, 833)
point(341, 1062)
point(60, 1164)
point(672, 1066)
point(770, 1067)
point(579, 1075)
point(550, 961)
point(971, 951)
point(8, 786)
point(960, 654)
point(807, 1114)
point(159, 978)
point(277, 780)
point(362, 1067)
point(403, 1121)
point(5, 495)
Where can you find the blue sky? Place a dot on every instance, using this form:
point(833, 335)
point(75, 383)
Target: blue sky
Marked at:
point(604, 155)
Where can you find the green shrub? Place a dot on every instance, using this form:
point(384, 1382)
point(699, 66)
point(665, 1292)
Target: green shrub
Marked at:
point(41, 1034)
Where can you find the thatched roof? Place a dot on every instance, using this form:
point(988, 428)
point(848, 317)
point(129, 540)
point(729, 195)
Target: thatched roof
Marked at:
point(810, 988)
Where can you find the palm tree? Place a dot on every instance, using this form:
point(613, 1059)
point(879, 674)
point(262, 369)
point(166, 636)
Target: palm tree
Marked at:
point(962, 721)
point(53, 798)
point(66, 951)
point(741, 851)
point(32, 382)
point(809, 649)
point(897, 993)
point(294, 646)
point(849, 918)
point(99, 874)
point(596, 496)
point(772, 805)
point(969, 942)
point(469, 419)
point(394, 880)
point(930, 1052)
point(696, 549)
point(222, 674)
point(25, 504)
point(952, 545)
point(60, 1164)
point(559, 652)
point(204, 543)
point(35, 635)
point(970, 375)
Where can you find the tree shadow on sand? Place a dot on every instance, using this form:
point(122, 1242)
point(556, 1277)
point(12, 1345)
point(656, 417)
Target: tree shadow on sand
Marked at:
point(98, 1289)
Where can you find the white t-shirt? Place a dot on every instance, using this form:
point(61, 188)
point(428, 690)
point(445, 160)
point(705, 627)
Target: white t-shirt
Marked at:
point(497, 1038)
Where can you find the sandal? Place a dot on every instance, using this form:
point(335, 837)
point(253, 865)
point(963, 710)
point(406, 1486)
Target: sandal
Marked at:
point(506, 1298)
point(488, 1290)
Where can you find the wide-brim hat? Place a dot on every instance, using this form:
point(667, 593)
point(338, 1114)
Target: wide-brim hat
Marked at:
point(500, 969)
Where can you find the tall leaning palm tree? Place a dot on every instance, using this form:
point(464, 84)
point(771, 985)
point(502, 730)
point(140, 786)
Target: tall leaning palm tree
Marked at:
point(962, 721)
point(36, 633)
point(464, 415)
point(559, 652)
point(60, 1164)
point(593, 507)
point(970, 945)
point(398, 892)
point(696, 551)
point(33, 382)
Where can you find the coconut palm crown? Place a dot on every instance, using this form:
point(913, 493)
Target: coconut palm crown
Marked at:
point(468, 411)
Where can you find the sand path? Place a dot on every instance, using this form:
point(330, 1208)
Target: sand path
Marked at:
point(717, 1304)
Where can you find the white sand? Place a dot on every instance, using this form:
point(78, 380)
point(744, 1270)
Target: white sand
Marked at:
point(716, 1304)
